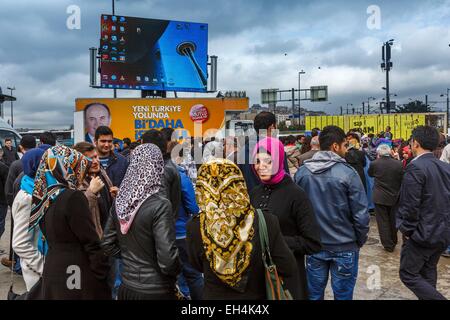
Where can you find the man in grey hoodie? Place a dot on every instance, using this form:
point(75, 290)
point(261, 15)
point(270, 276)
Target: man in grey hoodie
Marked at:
point(340, 205)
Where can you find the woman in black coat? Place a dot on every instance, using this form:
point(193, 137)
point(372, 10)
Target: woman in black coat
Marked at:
point(75, 267)
point(223, 239)
point(357, 159)
point(141, 230)
point(279, 195)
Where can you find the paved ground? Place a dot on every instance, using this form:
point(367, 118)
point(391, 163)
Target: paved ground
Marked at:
point(378, 273)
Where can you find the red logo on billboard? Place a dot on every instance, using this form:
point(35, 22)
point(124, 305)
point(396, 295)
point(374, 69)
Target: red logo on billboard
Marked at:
point(199, 113)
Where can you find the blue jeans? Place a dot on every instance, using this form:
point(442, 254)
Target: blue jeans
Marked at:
point(117, 277)
point(3, 212)
point(190, 281)
point(343, 267)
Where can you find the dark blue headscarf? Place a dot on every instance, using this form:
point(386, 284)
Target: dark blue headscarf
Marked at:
point(30, 163)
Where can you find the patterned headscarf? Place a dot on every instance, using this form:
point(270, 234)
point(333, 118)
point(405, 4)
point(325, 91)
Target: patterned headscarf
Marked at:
point(353, 144)
point(142, 179)
point(60, 168)
point(226, 221)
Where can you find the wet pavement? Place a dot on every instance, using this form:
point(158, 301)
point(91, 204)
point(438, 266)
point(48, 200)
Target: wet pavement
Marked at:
point(377, 279)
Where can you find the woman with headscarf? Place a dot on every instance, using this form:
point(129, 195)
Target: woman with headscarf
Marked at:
point(293, 154)
point(223, 239)
point(141, 230)
point(24, 242)
point(356, 158)
point(279, 195)
point(75, 267)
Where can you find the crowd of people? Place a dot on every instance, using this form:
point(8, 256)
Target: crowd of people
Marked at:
point(154, 220)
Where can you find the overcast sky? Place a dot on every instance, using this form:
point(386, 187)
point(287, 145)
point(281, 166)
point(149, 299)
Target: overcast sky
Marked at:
point(260, 44)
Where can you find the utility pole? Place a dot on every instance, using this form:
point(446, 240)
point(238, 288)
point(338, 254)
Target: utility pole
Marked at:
point(12, 114)
point(299, 96)
point(387, 66)
point(341, 110)
point(448, 90)
point(363, 108)
point(368, 103)
point(448, 103)
point(293, 106)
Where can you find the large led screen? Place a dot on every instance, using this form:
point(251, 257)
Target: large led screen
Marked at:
point(150, 54)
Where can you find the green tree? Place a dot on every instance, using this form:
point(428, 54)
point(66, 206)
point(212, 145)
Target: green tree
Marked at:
point(282, 126)
point(413, 107)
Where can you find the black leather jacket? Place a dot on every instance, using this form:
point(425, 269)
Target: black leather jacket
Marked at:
point(149, 255)
point(172, 186)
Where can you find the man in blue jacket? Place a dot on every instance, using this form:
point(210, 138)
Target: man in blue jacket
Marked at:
point(423, 215)
point(115, 164)
point(340, 205)
point(190, 280)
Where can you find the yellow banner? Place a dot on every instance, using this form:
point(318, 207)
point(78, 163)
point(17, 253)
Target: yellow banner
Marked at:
point(401, 124)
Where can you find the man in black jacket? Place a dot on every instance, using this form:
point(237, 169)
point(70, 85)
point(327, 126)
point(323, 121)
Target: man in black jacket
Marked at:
point(388, 174)
point(15, 169)
point(171, 181)
point(423, 215)
point(9, 152)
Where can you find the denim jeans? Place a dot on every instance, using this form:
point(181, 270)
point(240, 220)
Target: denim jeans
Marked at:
point(3, 212)
point(117, 277)
point(190, 281)
point(343, 267)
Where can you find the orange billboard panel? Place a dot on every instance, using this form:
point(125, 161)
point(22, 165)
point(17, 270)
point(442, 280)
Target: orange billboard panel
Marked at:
point(133, 117)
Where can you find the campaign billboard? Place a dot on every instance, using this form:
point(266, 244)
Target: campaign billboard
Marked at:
point(151, 54)
point(130, 117)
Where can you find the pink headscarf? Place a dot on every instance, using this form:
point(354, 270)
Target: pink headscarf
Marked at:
point(275, 148)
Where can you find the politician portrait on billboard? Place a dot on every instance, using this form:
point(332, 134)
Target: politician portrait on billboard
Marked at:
point(95, 115)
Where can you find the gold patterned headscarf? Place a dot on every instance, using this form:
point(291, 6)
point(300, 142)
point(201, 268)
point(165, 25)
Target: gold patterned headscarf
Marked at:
point(226, 221)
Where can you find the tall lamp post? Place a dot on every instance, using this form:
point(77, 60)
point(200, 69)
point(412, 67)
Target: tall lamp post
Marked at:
point(387, 66)
point(12, 114)
point(448, 102)
point(299, 97)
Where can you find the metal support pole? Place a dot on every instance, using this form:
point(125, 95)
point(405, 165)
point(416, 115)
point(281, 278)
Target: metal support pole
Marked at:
point(388, 98)
point(213, 83)
point(293, 103)
point(448, 102)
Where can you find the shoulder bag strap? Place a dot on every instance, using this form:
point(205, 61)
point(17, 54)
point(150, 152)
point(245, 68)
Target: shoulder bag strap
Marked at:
point(264, 238)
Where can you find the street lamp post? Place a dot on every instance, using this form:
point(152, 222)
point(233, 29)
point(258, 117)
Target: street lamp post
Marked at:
point(448, 103)
point(12, 114)
point(299, 96)
point(387, 66)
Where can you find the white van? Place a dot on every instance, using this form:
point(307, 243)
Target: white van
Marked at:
point(6, 131)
